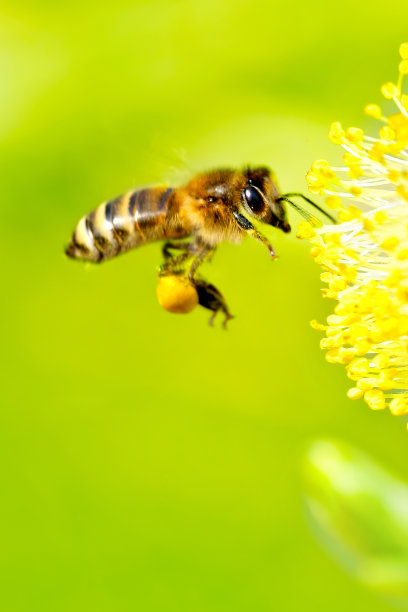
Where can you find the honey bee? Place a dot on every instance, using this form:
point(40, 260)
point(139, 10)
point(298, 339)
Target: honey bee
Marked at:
point(213, 207)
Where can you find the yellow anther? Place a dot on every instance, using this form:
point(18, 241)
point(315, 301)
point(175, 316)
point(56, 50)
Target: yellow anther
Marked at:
point(354, 393)
point(337, 285)
point(381, 361)
point(373, 110)
point(359, 367)
point(331, 342)
point(332, 331)
point(357, 330)
point(362, 347)
point(354, 134)
point(393, 176)
point(387, 133)
point(395, 148)
point(375, 399)
point(332, 356)
point(365, 384)
point(355, 171)
point(319, 165)
point(385, 380)
point(368, 224)
point(402, 253)
point(342, 309)
point(356, 191)
point(333, 202)
point(335, 320)
point(315, 251)
point(350, 159)
point(389, 90)
point(336, 133)
point(399, 406)
point(345, 355)
point(390, 244)
point(403, 50)
point(402, 294)
point(394, 278)
point(380, 216)
point(325, 343)
point(333, 238)
point(305, 230)
point(326, 277)
point(403, 66)
point(389, 326)
point(354, 212)
point(376, 334)
point(350, 274)
point(399, 123)
point(315, 182)
point(377, 152)
point(354, 165)
point(316, 325)
point(344, 216)
point(402, 192)
point(329, 294)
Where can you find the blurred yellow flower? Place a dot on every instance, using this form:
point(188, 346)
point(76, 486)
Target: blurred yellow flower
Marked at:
point(365, 256)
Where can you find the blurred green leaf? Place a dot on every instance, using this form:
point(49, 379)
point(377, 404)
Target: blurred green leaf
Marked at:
point(359, 512)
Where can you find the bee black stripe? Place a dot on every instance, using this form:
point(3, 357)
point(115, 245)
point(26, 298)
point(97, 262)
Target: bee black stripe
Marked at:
point(89, 229)
point(118, 231)
point(77, 245)
point(163, 200)
point(132, 204)
point(144, 201)
point(100, 240)
point(108, 212)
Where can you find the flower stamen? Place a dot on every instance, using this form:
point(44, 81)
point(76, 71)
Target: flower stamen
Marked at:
point(365, 256)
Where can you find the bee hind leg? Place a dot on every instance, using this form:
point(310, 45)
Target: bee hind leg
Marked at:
point(204, 253)
point(175, 264)
point(211, 298)
point(187, 247)
point(195, 251)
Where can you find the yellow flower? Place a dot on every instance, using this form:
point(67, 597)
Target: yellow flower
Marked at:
point(365, 256)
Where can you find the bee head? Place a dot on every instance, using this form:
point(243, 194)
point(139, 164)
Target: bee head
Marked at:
point(260, 198)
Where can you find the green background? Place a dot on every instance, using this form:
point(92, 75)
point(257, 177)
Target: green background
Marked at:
point(150, 462)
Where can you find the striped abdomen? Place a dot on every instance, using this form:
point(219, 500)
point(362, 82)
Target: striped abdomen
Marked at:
point(134, 218)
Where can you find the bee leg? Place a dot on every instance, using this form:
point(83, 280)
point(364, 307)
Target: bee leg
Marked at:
point(175, 246)
point(174, 265)
point(261, 238)
point(204, 253)
point(246, 225)
point(210, 297)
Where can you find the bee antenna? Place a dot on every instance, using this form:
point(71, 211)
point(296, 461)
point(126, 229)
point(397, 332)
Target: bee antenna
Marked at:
point(300, 210)
point(306, 215)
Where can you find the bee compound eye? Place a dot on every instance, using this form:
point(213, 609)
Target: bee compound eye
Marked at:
point(254, 199)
